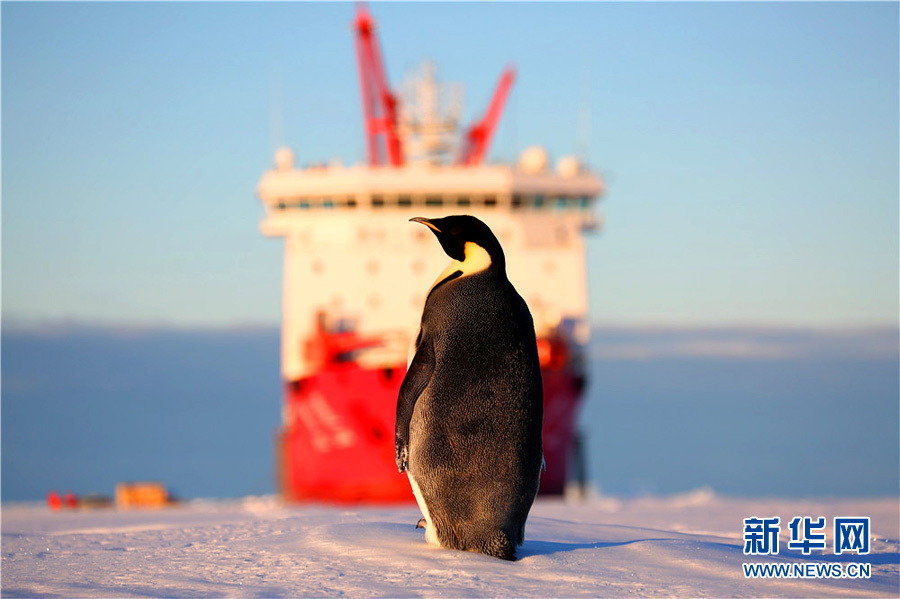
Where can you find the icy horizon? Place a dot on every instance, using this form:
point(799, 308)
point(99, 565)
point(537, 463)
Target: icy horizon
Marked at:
point(746, 412)
point(608, 340)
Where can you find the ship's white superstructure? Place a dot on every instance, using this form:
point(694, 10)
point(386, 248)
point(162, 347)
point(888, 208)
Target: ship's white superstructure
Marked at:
point(350, 252)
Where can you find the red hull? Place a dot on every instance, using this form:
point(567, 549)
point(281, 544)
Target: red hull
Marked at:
point(338, 441)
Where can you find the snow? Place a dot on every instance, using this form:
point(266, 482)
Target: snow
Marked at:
point(681, 546)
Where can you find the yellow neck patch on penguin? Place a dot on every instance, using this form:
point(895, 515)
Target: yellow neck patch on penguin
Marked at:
point(476, 260)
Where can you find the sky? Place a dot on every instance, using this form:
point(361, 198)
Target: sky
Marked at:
point(750, 150)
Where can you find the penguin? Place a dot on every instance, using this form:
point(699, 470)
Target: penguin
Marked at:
point(470, 409)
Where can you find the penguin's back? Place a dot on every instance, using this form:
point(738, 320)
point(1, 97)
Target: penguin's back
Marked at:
point(484, 345)
point(475, 434)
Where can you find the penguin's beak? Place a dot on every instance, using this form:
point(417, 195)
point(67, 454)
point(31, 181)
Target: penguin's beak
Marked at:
point(426, 222)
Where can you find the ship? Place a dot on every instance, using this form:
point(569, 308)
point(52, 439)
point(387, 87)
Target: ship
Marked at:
point(356, 273)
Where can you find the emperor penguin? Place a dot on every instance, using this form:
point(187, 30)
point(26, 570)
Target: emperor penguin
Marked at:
point(470, 409)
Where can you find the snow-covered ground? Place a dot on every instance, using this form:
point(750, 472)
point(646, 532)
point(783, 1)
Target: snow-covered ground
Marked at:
point(683, 546)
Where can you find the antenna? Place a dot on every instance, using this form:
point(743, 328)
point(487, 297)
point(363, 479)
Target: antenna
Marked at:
point(276, 104)
point(583, 114)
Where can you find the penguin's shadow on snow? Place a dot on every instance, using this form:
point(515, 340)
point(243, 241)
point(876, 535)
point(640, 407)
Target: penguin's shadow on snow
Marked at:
point(529, 548)
point(532, 547)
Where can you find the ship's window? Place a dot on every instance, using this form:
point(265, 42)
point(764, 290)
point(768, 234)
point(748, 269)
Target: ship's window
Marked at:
point(404, 201)
point(377, 202)
point(372, 267)
point(318, 267)
point(434, 201)
point(463, 201)
point(303, 205)
point(584, 202)
point(517, 201)
point(490, 201)
point(327, 203)
point(538, 201)
point(281, 205)
point(561, 202)
point(351, 202)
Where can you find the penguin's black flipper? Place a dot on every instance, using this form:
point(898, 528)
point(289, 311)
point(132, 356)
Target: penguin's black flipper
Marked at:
point(417, 377)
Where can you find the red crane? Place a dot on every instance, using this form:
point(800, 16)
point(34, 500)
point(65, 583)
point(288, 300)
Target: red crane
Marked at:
point(477, 138)
point(379, 104)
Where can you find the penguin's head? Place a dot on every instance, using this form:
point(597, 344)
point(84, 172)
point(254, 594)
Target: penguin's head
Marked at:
point(467, 240)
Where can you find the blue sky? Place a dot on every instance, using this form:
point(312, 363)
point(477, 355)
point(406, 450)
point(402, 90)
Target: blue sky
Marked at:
point(751, 150)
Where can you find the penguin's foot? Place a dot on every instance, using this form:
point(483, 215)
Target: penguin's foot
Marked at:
point(420, 523)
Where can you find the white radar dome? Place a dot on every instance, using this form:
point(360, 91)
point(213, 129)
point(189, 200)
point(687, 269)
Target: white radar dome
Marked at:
point(284, 158)
point(534, 160)
point(568, 166)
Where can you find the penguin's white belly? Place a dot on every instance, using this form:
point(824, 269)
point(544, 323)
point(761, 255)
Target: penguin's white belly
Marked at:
point(430, 535)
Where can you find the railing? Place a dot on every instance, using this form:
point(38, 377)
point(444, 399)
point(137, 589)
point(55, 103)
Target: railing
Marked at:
point(515, 202)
